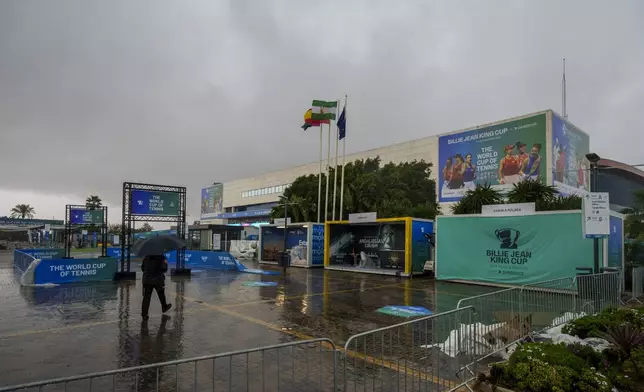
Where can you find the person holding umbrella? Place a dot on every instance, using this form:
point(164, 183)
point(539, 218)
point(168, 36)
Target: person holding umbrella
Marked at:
point(154, 267)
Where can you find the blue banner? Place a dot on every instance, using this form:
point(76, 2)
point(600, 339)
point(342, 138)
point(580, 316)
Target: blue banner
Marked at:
point(317, 245)
point(83, 216)
point(615, 243)
point(500, 155)
point(45, 253)
point(421, 250)
point(154, 203)
point(116, 252)
point(60, 271)
point(206, 260)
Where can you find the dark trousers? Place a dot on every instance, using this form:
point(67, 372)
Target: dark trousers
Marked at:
point(147, 294)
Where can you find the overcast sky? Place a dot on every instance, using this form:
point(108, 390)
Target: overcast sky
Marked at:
point(94, 93)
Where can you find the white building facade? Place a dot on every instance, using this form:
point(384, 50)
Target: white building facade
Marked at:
point(249, 200)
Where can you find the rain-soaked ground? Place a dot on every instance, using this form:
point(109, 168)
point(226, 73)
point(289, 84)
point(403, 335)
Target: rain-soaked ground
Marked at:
point(81, 328)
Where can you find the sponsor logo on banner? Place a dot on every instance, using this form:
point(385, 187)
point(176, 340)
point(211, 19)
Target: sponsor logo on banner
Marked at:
point(509, 259)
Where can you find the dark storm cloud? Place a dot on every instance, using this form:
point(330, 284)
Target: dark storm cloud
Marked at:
point(93, 93)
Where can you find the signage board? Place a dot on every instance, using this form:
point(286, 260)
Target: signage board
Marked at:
point(154, 203)
point(47, 227)
point(212, 201)
point(280, 221)
point(405, 311)
point(115, 240)
point(363, 217)
point(82, 216)
point(513, 209)
point(596, 215)
point(500, 155)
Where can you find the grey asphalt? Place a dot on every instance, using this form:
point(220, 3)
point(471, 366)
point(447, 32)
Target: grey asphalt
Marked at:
point(81, 328)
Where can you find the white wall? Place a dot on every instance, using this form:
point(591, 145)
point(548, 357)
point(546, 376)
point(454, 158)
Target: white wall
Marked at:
point(425, 149)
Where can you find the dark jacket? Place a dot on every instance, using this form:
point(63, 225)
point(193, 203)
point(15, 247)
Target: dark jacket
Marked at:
point(154, 269)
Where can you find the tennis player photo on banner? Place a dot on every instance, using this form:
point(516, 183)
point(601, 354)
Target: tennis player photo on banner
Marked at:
point(501, 155)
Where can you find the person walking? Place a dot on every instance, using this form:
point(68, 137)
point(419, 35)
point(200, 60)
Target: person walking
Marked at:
point(154, 268)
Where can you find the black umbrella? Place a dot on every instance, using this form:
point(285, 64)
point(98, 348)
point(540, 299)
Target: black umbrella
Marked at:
point(157, 245)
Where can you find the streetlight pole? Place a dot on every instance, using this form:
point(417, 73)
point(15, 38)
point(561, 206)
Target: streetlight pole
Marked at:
point(284, 254)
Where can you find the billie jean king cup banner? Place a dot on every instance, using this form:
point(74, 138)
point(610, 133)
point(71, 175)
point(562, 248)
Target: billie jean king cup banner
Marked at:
point(501, 155)
point(212, 201)
point(82, 216)
point(512, 249)
point(154, 203)
point(571, 169)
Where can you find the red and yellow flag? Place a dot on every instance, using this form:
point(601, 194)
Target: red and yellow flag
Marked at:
point(308, 122)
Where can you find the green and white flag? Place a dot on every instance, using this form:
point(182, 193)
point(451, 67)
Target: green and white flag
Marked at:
point(324, 110)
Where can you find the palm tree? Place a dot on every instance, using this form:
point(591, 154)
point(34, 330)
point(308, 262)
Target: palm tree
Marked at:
point(23, 211)
point(531, 191)
point(474, 199)
point(93, 202)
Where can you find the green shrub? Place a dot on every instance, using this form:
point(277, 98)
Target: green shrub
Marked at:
point(546, 367)
point(601, 323)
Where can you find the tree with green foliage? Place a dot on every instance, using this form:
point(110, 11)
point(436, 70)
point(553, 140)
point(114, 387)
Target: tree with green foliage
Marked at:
point(634, 222)
point(544, 196)
point(392, 190)
point(93, 202)
point(23, 211)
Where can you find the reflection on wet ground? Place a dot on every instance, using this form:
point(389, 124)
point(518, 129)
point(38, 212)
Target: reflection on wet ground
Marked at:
point(81, 328)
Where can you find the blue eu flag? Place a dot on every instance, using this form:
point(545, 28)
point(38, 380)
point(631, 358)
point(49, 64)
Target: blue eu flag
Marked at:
point(342, 124)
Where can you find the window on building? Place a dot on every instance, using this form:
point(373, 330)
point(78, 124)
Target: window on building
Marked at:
point(270, 190)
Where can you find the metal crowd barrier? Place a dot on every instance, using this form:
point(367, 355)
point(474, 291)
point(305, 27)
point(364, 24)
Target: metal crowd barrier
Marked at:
point(638, 284)
point(505, 317)
point(441, 352)
point(408, 356)
point(308, 365)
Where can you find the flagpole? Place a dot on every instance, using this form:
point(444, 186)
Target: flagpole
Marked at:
point(335, 164)
point(328, 166)
point(320, 178)
point(344, 150)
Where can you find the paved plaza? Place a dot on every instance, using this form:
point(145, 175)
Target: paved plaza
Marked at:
point(80, 328)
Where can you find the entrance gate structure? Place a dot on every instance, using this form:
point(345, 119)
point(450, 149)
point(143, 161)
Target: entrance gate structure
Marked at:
point(151, 203)
point(80, 217)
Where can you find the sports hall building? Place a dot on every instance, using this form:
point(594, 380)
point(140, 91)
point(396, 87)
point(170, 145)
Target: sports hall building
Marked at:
point(538, 145)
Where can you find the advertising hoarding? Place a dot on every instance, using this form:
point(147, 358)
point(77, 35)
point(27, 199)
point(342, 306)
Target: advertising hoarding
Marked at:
point(296, 244)
point(570, 168)
point(383, 245)
point(421, 249)
point(212, 201)
point(154, 203)
point(82, 216)
point(500, 155)
point(511, 249)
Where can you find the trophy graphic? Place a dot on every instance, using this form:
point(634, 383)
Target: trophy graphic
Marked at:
point(508, 238)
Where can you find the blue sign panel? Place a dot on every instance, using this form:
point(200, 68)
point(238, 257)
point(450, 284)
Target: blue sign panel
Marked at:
point(317, 245)
point(45, 253)
point(405, 311)
point(82, 216)
point(615, 243)
point(154, 203)
point(205, 260)
point(259, 284)
point(75, 270)
point(245, 214)
point(116, 252)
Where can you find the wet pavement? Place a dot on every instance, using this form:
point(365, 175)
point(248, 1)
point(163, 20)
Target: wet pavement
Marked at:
point(81, 328)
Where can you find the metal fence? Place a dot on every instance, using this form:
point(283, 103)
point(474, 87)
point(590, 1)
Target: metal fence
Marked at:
point(417, 355)
point(638, 284)
point(308, 365)
point(503, 318)
point(441, 352)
